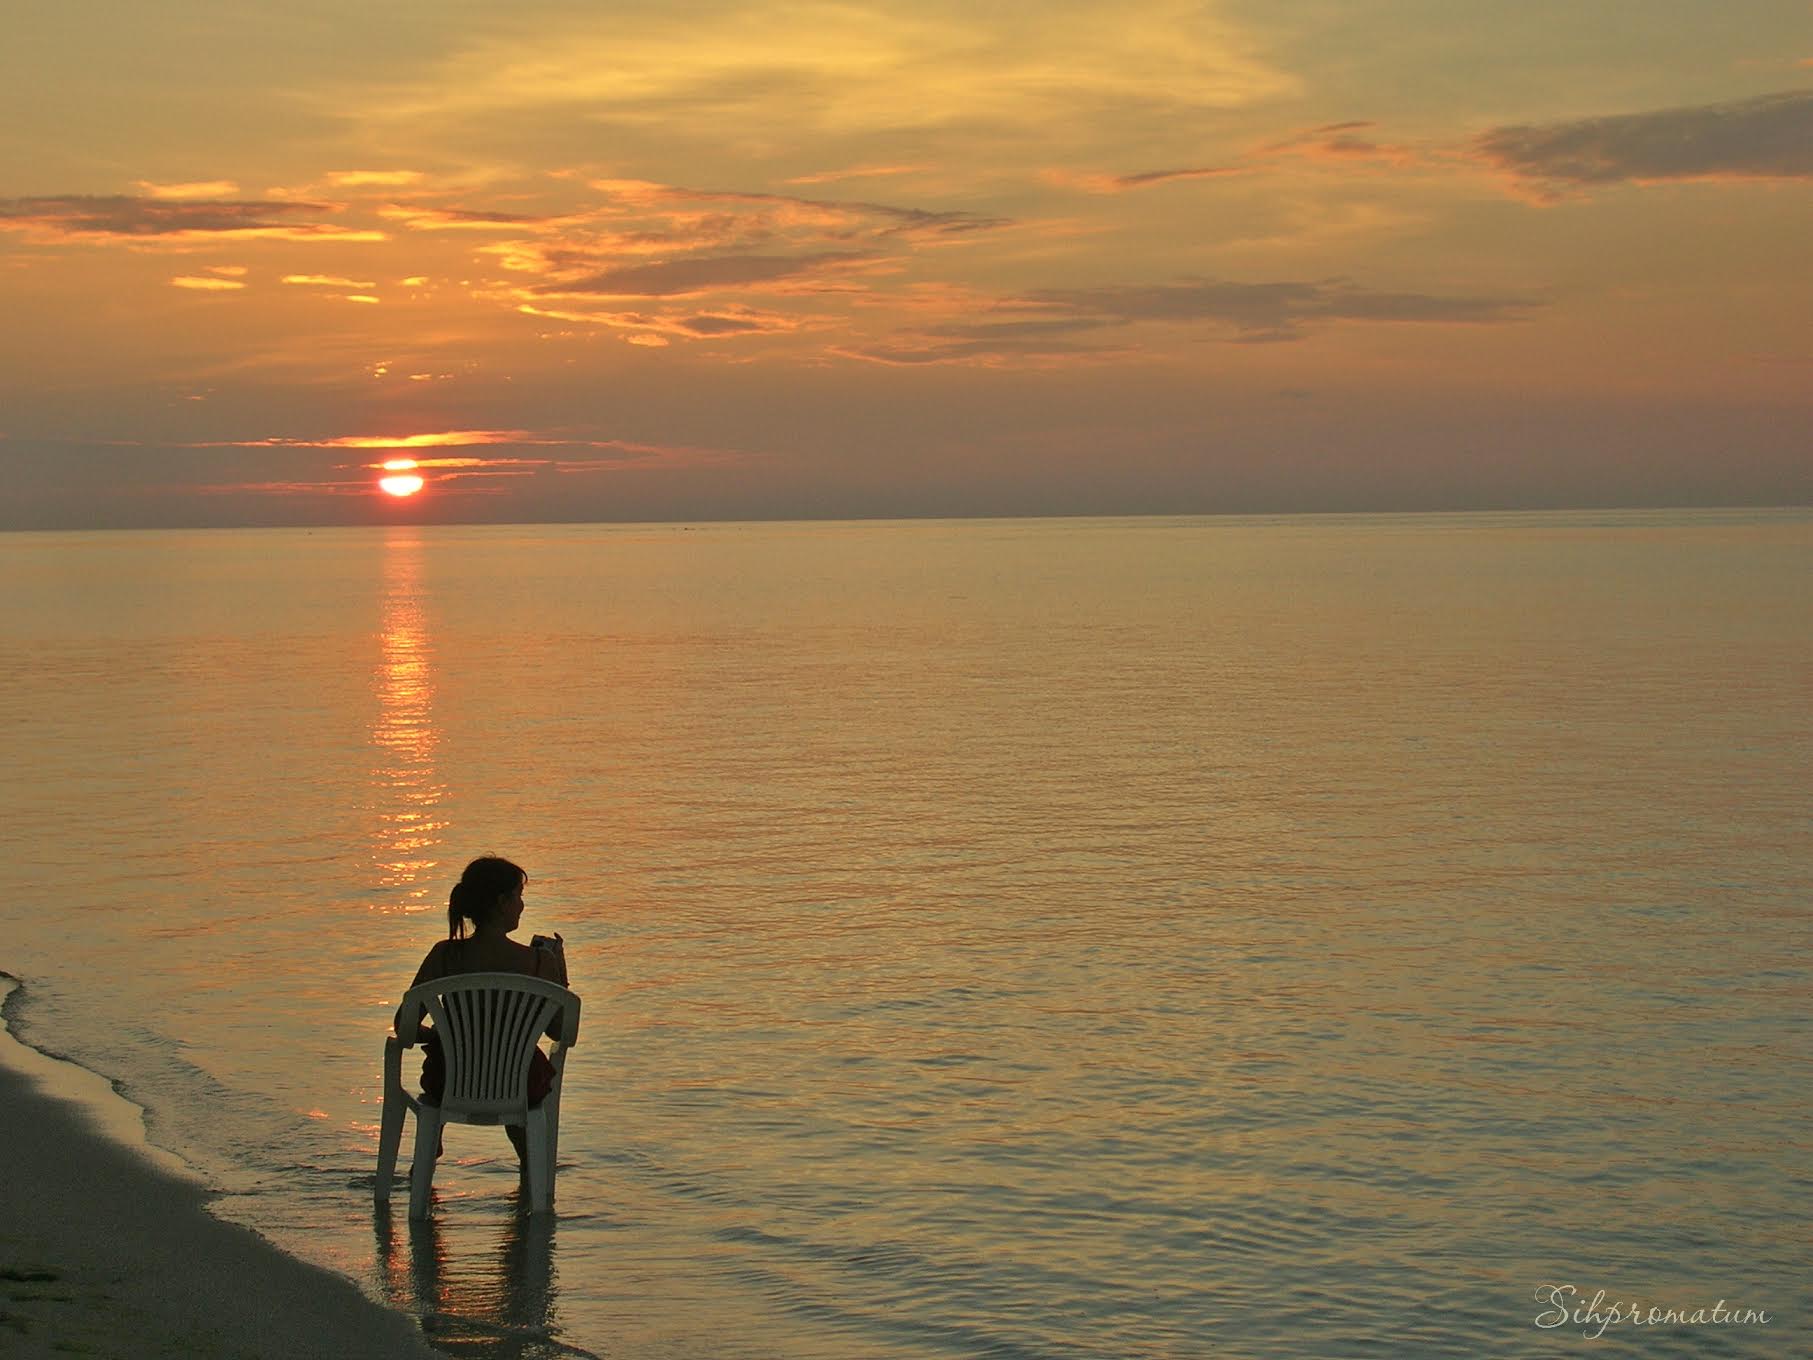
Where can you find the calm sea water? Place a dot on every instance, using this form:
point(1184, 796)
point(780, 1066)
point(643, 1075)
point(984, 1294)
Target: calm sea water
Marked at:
point(1300, 937)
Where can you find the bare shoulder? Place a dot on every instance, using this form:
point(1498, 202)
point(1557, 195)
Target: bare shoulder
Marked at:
point(434, 964)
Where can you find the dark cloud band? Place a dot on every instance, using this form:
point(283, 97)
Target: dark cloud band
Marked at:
point(1769, 137)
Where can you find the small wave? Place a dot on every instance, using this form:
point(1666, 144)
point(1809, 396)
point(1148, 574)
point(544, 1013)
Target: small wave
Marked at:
point(97, 1095)
point(439, 1325)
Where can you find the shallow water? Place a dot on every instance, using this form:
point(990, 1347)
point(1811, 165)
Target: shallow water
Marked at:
point(1294, 937)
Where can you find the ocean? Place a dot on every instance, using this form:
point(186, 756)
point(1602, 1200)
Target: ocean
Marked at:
point(1318, 936)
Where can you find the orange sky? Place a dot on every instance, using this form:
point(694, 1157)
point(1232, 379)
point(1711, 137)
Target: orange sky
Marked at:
point(707, 260)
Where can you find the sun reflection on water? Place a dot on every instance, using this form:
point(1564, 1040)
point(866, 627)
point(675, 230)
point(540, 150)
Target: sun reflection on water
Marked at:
point(407, 789)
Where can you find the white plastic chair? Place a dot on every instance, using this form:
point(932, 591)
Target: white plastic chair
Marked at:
point(489, 1025)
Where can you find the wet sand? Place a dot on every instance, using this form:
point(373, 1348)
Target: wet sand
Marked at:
point(103, 1253)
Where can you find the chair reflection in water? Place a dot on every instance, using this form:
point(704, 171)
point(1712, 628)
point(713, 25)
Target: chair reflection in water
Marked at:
point(488, 1026)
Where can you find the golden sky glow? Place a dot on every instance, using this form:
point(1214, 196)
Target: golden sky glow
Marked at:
point(760, 259)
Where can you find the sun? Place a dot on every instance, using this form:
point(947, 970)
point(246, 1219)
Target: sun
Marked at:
point(403, 479)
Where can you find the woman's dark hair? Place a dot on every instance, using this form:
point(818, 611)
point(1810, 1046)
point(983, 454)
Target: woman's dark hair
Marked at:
point(474, 897)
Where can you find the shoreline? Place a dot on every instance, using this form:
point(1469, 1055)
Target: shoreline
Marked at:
point(107, 1246)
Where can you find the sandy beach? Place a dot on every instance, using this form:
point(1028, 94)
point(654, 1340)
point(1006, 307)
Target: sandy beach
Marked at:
point(103, 1253)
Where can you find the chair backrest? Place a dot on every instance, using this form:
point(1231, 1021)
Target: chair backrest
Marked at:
point(488, 1025)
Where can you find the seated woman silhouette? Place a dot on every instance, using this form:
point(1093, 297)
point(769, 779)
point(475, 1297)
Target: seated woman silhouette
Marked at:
point(489, 895)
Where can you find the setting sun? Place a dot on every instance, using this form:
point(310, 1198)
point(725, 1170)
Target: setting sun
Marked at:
point(403, 479)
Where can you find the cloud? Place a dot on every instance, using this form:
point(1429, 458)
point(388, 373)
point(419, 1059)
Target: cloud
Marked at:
point(842, 219)
point(719, 69)
point(703, 274)
point(365, 179)
point(213, 188)
point(418, 218)
point(334, 488)
point(552, 453)
point(1043, 327)
point(462, 439)
point(988, 353)
point(1332, 143)
point(1270, 311)
point(718, 323)
point(326, 281)
point(1096, 183)
point(856, 172)
point(206, 283)
point(1071, 325)
point(405, 464)
point(792, 210)
point(122, 216)
point(645, 240)
point(1768, 137)
point(438, 439)
point(1341, 143)
point(1041, 340)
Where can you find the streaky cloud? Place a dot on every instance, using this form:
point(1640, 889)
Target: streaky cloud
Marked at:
point(856, 172)
point(1768, 137)
point(213, 188)
point(1101, 183)
point(1273, 310)
point(134, 217)
point(1341, 143)
point(597, 451)
point(704, 274)
point(327, 281)
point(418, 218)
point(729, 322)
point(366, 179)
point(823, 212)
point(993, 352)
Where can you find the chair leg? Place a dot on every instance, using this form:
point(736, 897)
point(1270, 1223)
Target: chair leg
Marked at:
point(421, 1171)
point(390, 1138)
point(550, 1109)
point(541, 1173)
point(390, 1127)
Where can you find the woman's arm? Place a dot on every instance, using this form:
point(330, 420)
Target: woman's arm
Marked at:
point(556, 968)
point(434, 965)
point(555, 971)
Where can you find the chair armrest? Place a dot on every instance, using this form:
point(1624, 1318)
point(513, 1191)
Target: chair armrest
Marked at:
point(565, 1029)
point(393, 1073)
point(408, 1022)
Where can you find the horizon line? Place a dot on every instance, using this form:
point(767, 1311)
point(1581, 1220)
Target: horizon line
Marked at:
point(402, 523)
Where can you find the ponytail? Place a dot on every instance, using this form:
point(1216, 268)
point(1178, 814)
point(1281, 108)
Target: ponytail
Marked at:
point(486, 879)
